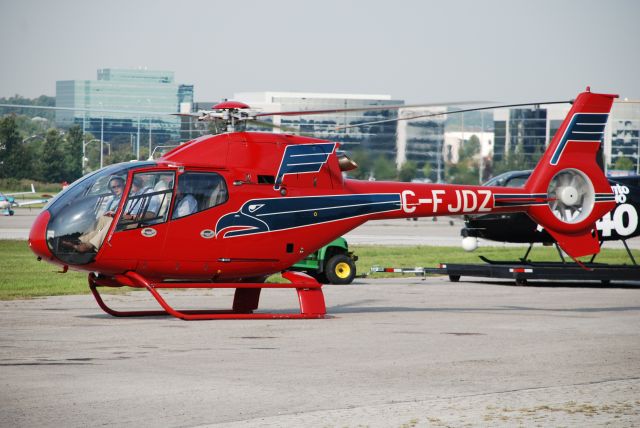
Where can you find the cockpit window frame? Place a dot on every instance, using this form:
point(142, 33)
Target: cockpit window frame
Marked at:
point(122, 224)
point(115, 167)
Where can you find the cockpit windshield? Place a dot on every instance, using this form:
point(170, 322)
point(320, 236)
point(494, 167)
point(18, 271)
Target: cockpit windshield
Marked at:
point(82, 214)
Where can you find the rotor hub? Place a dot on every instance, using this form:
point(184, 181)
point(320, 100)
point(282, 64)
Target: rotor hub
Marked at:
point(568, 195)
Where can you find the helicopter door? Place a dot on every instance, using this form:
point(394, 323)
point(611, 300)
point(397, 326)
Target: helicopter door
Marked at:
point(142, 225)
point(200, 200)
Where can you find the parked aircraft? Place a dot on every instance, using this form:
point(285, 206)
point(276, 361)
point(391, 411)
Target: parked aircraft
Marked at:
point(226, 211)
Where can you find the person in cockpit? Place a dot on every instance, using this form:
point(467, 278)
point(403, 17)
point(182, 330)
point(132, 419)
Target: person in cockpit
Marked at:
point(186, 205)
point(116, 187)
point(92, 240)
point(134, 210)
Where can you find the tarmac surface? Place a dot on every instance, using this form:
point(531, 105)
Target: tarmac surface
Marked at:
point(392, 353)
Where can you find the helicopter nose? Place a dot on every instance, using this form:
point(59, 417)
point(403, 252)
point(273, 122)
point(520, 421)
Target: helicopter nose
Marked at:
point(38, 236)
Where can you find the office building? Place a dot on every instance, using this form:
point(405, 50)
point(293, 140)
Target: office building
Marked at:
point(125, 105)
point(529, 131)
point(421, 140)
point(624, 135)
point(520, 129)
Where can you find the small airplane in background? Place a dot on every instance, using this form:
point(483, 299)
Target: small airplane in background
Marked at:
point(8, 201)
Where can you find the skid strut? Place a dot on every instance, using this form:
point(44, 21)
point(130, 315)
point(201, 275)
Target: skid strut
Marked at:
point(245, 300)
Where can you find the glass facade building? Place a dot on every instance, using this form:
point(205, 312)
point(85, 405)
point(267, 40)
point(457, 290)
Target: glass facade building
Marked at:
point(125, 104)
point(625, 134)
point(521, 131)
point(421, 140)
point(532, 130)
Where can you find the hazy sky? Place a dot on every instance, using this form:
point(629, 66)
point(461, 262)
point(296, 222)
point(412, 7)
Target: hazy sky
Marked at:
point(419, 51)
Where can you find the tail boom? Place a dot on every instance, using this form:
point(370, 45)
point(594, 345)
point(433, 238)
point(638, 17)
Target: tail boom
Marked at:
point(566, 193)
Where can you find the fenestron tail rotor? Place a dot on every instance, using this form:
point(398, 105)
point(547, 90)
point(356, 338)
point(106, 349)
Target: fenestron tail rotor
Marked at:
point(571, 196)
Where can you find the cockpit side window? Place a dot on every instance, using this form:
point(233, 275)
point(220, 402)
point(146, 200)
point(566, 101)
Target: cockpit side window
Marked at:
point(198, 191)
point(148, 201)
point(81, 215)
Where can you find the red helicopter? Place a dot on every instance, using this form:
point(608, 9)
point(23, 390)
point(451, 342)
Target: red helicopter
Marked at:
point(226, 211)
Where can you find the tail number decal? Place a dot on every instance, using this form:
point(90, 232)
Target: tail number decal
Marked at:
point(467, 201)
point(435, 199)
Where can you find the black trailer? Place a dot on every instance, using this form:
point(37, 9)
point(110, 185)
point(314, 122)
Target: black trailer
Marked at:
point(521, 272)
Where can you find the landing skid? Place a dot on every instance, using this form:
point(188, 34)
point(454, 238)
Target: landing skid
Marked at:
point(245, 301)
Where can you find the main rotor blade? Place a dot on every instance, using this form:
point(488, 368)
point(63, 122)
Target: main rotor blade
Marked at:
point(185, 114)
point(263, 124)
point(370, 108)
point(305, 112)
point(283, 128)
point(337, 128)
point(271, 125)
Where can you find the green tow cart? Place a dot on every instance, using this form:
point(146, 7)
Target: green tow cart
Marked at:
point(331, 264)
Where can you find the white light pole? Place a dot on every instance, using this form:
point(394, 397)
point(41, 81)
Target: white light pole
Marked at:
point(638, 158)
point(138, 141)
point(149, 108)
point(101, 140)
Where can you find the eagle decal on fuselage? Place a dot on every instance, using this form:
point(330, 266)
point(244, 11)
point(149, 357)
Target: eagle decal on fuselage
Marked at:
point(269, 215)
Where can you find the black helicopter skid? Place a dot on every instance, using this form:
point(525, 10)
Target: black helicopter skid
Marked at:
point(246, 298)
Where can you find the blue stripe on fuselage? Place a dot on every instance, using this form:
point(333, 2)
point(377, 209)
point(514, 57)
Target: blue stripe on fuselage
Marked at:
point(303, 158)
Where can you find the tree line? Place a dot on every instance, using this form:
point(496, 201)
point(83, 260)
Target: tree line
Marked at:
point(41, 101)
point(30, 153)
point(31, 149)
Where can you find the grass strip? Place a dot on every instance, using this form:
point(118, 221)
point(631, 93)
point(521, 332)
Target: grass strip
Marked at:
point(24, 277)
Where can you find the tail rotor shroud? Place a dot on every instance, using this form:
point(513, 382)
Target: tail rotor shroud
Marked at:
point(571, 195)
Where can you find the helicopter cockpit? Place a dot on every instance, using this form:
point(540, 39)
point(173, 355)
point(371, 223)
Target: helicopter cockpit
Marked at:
point(81, 216)
point(82, 213)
